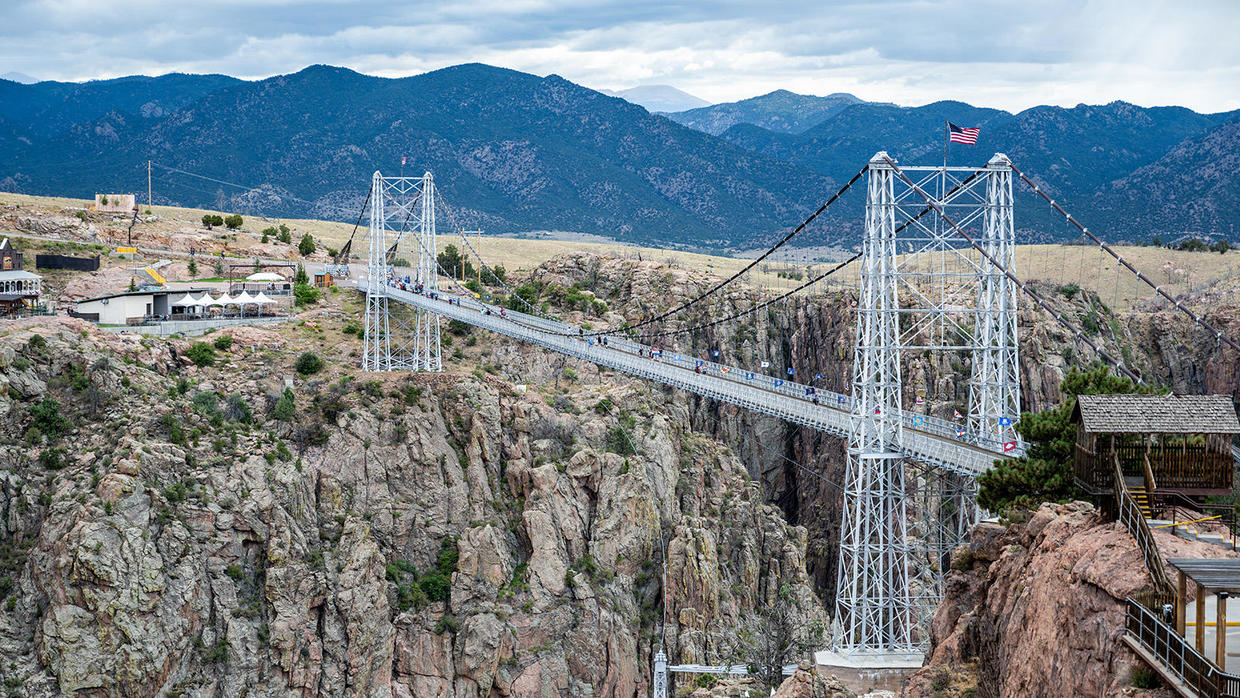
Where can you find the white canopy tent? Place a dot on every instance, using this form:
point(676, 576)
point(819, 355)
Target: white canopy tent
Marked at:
point(265, 276)
point(262, 299)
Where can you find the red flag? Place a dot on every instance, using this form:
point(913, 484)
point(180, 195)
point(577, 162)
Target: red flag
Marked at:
point(402, 160)
point(1009, 446)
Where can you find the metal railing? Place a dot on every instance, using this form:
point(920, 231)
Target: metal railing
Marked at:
point(1177, 656)
point(927, 439)
point(1130, 515)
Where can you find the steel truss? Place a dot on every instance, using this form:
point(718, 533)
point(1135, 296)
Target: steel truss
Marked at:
point(402, 224)
point(923, 288)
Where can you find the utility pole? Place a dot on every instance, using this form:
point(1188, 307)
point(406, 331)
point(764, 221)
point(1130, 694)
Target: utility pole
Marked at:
point(148, 184)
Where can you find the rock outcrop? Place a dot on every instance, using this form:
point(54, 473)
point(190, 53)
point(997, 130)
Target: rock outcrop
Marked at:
point(1037, 608)
point(166, 531)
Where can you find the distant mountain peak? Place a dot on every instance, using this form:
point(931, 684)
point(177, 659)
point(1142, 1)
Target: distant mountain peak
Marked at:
point(15, 76)
point(659, 98)
point(781, 111)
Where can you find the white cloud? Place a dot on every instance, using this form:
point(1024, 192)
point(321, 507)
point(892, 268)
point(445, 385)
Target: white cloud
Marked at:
point(1002, 53)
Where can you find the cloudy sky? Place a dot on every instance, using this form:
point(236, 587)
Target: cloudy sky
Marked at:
point(1000, 53)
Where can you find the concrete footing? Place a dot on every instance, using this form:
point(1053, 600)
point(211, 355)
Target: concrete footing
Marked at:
point(864, 672)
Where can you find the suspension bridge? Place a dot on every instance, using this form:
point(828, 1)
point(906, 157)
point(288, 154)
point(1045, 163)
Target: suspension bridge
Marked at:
point(936, 276)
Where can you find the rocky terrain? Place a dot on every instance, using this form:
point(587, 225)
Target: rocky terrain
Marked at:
point(1036, 608)
point(172, 530)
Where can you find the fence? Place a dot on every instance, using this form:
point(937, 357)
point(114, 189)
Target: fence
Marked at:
point(1187, 466)
point(60, 261)
point(1176, 656)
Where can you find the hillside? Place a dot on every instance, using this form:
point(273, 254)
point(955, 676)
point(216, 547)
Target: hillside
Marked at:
point(1076, 154)
point(780, 111)
point(510, 152)
point(514, 152)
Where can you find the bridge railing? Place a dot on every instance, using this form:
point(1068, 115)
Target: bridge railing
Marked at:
point(949, 453)
point(912, 420)
point(1176, 656)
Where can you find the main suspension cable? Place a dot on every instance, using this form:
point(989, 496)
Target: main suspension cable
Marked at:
point(693, 301)
point(1218, 335)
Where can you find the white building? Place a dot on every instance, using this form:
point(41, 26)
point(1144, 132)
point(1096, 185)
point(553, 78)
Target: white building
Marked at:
point(22, 283)
point(123, 308)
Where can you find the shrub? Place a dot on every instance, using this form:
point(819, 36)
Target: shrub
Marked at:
point(201, 353)
point(233, 222)
point(45, 416)
point(304, 294)
point(1069, 291)
point(233, 571)
point(1145, 677)
point(285, 407)
point(223, 342)
point(193, 268)
point(309, 363)
point(306, 247)
point(239, 410)
point(437, 587)
point(52, 458)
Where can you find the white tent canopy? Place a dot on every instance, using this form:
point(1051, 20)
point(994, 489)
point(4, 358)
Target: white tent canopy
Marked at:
point(223, 300)
point(244, 298)
point(264, 276)
point(262, 299)
point(183, 301)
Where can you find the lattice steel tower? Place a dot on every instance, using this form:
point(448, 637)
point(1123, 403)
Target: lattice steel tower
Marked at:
point(923, 289)
point(402, 226)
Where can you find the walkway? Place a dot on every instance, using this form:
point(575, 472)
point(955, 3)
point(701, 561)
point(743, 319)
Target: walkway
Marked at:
point(927, 439)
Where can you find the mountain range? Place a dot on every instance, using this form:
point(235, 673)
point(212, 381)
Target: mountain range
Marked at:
point(514, 152)
point(659, 98)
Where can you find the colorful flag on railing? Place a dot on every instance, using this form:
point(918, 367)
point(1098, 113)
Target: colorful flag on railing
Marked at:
point(839, 399)
point(715, 353)
point(921, 400)
point(960, 433)
point(790, 371)
point(957, 414)
point(1009, 446)
point(748, 375)
point(778, 382)
point(817, 376)
point(917, 420)
point(1004, 421)
point(766, 364)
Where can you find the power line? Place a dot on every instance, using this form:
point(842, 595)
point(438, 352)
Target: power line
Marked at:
point(231, 184)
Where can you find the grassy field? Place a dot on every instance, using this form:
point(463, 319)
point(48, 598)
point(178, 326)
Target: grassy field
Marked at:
point(1086, 266)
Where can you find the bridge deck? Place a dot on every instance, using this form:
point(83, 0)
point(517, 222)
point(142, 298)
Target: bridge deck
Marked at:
point(927, 439)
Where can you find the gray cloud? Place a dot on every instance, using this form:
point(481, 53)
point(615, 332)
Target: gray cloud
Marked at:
point(1000, 53)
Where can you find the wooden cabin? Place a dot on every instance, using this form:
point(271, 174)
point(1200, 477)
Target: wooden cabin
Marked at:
point(1163, 443)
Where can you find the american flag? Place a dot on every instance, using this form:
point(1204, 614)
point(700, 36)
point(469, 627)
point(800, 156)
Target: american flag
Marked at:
point(968, 136)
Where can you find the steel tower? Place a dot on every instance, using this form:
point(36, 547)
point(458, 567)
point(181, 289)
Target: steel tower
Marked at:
point(402, 226)
point(923, 289)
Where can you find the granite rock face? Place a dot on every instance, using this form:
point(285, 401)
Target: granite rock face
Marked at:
point(400, 535)
point(1037, 608)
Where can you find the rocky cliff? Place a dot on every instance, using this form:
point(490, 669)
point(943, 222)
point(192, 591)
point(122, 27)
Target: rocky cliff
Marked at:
point(1037, 608)
point(171, 529)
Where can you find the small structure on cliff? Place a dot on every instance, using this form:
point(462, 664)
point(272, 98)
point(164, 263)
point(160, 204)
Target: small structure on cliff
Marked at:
point(1171, 449)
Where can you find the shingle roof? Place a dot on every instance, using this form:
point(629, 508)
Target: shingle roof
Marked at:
point(1166, 414)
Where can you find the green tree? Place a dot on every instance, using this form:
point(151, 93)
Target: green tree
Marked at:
point(453, 263)
point(285, 407)
point(306, 247)
point(305, 295)
point(300, 277)
point(1044, 473)
point(193, 268)
point(219, 267)
point(207, 220)
point(217, 219)
point(233, 222)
